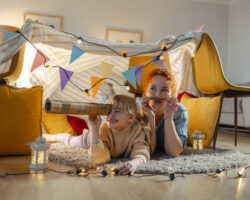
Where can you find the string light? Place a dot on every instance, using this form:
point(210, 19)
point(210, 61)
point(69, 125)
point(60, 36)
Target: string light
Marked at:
point(127, 87)
point(124, 54)
point(171, 173)
point(242, 172)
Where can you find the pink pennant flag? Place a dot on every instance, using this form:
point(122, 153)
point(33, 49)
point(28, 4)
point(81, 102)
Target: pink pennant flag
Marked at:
point(65, 75)
point(138, 72)
point(39, 60)
point(200, 28)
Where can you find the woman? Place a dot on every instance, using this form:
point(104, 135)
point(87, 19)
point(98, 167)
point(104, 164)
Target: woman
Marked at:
point(167, 117)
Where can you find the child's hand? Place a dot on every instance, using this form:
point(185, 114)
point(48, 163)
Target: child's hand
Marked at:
point(129, 167)
point(95, 121)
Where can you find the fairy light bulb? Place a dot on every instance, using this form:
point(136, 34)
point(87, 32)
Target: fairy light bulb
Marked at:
point(171, 172)
point(161, 57)
point(124, 54)
point(87, 93)
point(127, 86)
point(79, 41)
point(242, 172)
point(49, 67)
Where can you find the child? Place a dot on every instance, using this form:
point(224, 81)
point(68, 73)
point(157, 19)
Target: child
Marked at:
point(122, 135)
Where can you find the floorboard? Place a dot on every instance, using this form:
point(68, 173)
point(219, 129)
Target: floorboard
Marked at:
point(53, 185)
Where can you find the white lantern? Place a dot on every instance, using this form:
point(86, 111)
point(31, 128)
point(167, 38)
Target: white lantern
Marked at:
point(198, 140)
point(39, 154)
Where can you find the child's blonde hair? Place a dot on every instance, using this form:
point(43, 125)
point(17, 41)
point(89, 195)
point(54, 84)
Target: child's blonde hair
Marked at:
point(129, 105)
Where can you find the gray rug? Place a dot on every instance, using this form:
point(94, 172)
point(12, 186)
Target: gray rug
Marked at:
point(189, 162)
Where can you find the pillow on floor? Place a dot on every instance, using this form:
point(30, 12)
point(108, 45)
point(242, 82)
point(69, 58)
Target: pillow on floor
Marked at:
point(203, 114)
point(77, 124)
point(56, 123)
point(20, 118)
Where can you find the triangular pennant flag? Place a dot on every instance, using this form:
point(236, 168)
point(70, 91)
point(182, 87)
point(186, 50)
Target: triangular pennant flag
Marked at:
point(106, 69)
point(65, 75)
point(200, 28)
point(75, 53)
point(186, 36)
point(7, 35)
point(158, 62)
point(130, 76)
point(138, 72)
point(39, 60)
point(95, 84)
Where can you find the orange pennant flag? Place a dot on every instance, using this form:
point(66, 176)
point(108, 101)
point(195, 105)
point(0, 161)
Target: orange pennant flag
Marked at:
point(95, 84)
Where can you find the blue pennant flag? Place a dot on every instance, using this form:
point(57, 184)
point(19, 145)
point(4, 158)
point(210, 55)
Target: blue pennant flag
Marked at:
point(76, 53)
point(8, 35)
point(130, 76)
point(186, 36)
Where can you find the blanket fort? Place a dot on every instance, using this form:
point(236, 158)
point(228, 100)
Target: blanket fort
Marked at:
point(96, 55)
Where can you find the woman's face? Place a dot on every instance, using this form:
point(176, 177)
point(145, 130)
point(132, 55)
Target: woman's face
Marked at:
point(158, 87)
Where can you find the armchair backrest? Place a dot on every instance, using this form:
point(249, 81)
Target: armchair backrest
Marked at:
point(207, 69)
point(16, 64)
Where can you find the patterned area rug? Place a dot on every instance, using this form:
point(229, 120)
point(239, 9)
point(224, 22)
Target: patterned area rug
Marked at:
point(189, 162)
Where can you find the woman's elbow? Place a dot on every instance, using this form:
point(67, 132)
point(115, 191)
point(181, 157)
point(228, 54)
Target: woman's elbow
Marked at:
point(174, 154)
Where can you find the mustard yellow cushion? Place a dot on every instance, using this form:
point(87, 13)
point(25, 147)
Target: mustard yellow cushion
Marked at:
point(56, 123)
point(20, 118)
point(203, 114)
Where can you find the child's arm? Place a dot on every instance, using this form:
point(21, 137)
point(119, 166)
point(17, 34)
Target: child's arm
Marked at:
point(139, 155)
point(129, 167)
point(100, 151)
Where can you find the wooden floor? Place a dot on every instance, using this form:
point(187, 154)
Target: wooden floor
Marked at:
point(53, 185)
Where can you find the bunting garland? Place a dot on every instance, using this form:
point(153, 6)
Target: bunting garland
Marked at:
point(8, 35)
point(75, 53)
point(96, 83)
point(138, 73)
point(39, 60)
point(65, 76)
point(132, 75)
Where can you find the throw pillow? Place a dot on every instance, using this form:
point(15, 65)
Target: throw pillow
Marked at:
point(56, 123)
point(77, 124)
point(20, 118)
point(203, 115)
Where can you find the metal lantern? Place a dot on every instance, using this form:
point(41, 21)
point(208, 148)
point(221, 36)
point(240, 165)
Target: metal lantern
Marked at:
point(198, 140)
point(39, 154)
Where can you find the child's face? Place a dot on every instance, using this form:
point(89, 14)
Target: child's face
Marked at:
point(118, 119)
point(158, 87)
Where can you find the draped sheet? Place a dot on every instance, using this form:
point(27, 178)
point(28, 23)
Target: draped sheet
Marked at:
point(57, 45)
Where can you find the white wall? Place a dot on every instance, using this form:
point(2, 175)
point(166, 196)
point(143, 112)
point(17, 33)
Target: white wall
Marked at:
point(155, 18)
point(238, 70)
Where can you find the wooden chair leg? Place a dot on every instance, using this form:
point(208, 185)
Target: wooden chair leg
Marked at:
point(217, 124)
point(235, 121)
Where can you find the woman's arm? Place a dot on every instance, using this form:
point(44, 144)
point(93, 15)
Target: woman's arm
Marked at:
point(172, 142)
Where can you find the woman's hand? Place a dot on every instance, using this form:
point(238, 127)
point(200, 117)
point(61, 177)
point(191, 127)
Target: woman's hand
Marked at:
point(129, 167)
point(146, 110)
point(170, 108)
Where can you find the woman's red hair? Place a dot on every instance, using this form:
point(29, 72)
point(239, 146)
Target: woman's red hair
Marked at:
point(161, 72)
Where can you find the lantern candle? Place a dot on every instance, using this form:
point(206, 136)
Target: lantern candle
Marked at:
point(198, 140)
point(39, 154)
